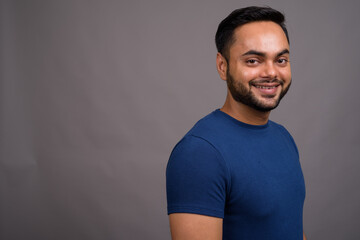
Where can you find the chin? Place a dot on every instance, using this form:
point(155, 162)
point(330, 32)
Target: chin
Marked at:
point(265, 105)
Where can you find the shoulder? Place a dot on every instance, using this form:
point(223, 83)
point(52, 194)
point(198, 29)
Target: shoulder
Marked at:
point(195, 150)
point(209, 123)
point(280, 128)
point(202, 139)
point(285, 133)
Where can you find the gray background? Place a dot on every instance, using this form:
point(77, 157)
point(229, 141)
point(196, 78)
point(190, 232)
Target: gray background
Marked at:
point(95, 94)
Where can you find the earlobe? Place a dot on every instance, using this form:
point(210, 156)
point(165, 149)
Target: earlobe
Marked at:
point(221, 66)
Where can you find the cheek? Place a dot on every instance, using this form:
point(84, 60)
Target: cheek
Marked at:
point(285, 74)
point(248, 74)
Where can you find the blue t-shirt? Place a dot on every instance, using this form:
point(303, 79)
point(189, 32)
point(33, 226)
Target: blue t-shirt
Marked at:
point(249, 175)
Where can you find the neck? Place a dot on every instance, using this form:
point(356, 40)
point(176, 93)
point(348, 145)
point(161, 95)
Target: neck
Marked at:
point(244, 113)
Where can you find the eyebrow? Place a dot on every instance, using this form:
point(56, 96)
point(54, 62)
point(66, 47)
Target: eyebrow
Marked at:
point(285, 51)
point(261, 54)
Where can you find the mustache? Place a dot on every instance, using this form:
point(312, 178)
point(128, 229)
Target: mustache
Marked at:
point(275, 80)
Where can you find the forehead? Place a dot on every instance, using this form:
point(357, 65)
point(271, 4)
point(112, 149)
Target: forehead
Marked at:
point(264, 36)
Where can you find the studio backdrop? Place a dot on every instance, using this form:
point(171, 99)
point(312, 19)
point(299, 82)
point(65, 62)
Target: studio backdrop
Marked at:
point(95, 94)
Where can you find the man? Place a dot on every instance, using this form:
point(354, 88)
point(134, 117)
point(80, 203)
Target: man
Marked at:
point(236, 174)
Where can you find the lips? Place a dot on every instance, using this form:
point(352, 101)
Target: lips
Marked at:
point(267, 87)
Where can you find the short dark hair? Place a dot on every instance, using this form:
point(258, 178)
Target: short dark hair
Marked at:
point(224, 37)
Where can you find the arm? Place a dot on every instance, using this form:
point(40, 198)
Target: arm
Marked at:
point(196, 184)
point(304, 237)
point(187, 226)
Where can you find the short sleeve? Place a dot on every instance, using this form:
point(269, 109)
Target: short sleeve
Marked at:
point(196, 178)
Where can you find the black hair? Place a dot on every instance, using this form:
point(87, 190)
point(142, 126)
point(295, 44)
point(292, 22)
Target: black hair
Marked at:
point(225, 32)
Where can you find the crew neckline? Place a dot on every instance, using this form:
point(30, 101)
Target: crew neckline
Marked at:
point(242, 124)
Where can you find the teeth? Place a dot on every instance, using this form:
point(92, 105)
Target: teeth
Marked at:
point(262, 87)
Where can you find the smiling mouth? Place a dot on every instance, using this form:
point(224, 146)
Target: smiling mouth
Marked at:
point(267, 84)
point(266, 87)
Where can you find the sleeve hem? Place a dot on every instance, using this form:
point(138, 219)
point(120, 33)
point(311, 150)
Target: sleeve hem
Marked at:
point(196, 210)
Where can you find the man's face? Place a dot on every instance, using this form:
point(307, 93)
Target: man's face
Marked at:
point(258, 73)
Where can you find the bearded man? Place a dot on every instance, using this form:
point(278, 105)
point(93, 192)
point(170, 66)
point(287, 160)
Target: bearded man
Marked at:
point(236, 174)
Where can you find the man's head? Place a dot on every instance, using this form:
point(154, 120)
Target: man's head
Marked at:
point(225, 33)
point(253, 56)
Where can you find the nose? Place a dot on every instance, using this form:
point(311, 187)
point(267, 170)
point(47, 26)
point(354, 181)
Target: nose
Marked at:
point(269, 70)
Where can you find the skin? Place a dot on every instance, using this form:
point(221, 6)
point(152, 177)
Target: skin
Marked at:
point(186, 226)
point(260, 53)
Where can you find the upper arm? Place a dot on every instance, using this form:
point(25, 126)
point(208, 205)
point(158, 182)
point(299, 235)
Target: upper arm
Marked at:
point(185, 226)
point(197, 183)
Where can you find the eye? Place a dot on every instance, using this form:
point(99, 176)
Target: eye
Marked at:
point(282, 61)
point(252, 61)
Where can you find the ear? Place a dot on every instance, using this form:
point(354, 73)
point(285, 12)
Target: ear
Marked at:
point(221, 66)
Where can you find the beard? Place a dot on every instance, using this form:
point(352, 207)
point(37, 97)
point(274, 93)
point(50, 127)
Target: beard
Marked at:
point(242, 94)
